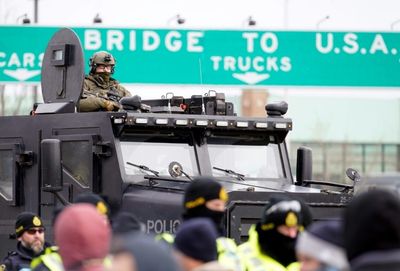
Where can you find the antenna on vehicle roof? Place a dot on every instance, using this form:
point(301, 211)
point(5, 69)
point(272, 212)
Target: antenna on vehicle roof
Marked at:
point(200, 72)
point(203, 108)
point(169, 100)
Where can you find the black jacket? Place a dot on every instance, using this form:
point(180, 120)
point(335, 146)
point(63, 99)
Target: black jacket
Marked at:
point(20, 259)
point(384, 260)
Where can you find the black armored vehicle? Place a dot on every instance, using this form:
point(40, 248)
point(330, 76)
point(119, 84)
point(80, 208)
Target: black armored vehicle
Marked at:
point(142, 158)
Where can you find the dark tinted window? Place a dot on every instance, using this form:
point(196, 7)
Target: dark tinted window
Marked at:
point(6, 174)
point(77, 160)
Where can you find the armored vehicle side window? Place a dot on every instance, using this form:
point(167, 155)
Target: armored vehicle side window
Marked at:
point(6, 174)
point(157, 156)
point(76, 156)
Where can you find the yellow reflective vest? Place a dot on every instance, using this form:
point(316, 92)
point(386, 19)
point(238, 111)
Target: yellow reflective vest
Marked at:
point(254, 260)
point(50, 258)
point(228, 254)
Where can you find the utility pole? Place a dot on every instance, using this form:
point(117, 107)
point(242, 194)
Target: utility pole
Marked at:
point(286, 14)
point(35, 21)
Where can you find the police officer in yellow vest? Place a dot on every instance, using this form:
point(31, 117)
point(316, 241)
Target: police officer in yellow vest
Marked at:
point(101, 92)
point(271, 244)
point(205, 197)
point(30, 233)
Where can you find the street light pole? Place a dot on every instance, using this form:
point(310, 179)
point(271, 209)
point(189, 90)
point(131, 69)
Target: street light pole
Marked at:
point(97, 19)
point(176, 19)
point(286, 14)
point(35, 88)
point(25, 19)
point(394, 23)
point(35, 11)
point(322, 20)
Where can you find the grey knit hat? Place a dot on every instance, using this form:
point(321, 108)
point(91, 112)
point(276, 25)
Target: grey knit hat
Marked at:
point(323, 242)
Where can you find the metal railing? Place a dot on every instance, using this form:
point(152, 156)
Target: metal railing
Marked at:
point(331, 159)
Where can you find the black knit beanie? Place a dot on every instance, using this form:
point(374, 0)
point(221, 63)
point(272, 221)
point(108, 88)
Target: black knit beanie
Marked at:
point(372, 222)
point(201, 190)
point(196, 238)
point(26, 221)
point(323, 241)
point(95, 200)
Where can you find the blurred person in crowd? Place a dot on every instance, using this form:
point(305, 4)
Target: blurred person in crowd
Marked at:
point(195, 245)
point(271, 244)
point(125, 223)
point(95, 200)
point(321, 248)
point(83, 237)
point(139, 252)
point(372, 231)
point(51, 259)
point(29, 231)
point(205, 197)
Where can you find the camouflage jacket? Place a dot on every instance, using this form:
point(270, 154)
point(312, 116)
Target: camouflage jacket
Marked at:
point(96, 91)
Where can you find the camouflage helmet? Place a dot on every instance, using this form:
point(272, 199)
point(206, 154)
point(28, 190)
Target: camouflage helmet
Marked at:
point(101, 58)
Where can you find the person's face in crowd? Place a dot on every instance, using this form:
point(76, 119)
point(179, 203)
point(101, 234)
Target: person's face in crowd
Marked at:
point(33, 239)
point(288, 231)
point(123, 261)
point(103, 68)
point(308, 263)
point(216, 205)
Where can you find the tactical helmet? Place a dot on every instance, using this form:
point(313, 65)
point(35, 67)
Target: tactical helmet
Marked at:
point(101, 58)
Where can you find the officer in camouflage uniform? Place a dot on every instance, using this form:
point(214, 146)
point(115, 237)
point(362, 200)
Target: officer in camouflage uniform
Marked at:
point(101, 92)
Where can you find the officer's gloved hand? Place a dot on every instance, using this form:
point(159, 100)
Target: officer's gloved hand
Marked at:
point(110, 106)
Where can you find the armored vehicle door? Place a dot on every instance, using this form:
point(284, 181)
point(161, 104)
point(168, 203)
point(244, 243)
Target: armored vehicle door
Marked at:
point(19, 187)
point(62, 81)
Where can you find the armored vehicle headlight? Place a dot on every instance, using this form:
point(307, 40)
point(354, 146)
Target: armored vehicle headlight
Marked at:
point(221, 123)
point(119, 120)
point(181, 122)
point(242, 124)
point(280, 125)
point(141, 121)
point(261, 125)
point(162, 121)
point(202, 122)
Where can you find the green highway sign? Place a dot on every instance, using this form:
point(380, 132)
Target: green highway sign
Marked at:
point(219, 57)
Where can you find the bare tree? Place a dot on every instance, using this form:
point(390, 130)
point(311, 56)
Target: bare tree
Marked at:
point(19, 100)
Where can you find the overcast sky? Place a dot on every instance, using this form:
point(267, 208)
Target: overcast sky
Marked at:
point(346, 15)
point(368, 15)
